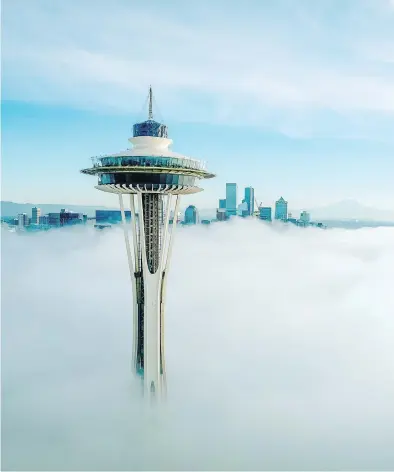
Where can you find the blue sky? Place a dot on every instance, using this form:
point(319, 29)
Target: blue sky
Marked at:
point(295, 98)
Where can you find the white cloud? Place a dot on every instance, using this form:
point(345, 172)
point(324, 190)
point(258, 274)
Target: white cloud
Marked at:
point(279, 352)
point(283, 57)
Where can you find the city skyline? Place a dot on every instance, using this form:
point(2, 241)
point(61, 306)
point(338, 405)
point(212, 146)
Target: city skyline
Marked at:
point(318, 140)
point(155, 326)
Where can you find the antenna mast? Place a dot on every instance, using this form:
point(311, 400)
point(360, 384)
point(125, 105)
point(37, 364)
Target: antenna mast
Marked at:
point(150, 116)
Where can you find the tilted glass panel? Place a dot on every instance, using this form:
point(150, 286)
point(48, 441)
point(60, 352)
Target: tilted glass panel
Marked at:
point(147, 161)
point(141, 179)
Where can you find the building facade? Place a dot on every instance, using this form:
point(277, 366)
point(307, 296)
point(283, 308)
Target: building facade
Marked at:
point(249, 199)
point(70, 217)
point(191, 215)
point(305, 217)
point(221, 214)
point(44, 220)
point(265, 213)
point(281, 209)
point(35, 215)
point(231, 199)
point(54, 219)
point(23, 220)
point(111, 216)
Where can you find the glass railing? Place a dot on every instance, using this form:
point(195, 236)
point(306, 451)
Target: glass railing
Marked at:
point(148, 161)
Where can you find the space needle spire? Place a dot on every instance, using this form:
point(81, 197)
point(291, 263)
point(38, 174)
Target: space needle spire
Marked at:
point(150, 114)
point(154, 178)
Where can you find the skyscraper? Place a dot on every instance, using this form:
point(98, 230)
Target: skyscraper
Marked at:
point(191, 215)
point(35, 215)
point(249, 199)
point(151, 174)
point(281, 209)
point(231, 199)
point(23, 220)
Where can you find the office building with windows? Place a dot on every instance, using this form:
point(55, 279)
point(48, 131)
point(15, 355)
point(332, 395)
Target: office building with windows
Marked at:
point(70, 217)
point(221, 214)
point(111, 216)
point(265, 213)
point(35, 215)
point(249, 199)
point(44, 220)
point(191, 215)
point(152, 176)
point(231, 199)
point(23, 220)
point(54, 219)
point(281, 209)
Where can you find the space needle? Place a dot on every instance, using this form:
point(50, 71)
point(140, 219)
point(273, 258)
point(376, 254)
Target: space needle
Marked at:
point(154, 177)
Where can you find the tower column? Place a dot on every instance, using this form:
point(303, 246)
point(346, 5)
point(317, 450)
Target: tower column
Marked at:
point(153, 235)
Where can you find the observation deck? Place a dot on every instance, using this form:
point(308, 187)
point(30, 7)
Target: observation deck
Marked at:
point(150, 166)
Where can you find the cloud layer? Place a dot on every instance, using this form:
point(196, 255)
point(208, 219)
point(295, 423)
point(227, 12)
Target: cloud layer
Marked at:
point(287, 62)
point(279, 352)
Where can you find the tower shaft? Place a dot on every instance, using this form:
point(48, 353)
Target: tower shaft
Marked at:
point(153, 240)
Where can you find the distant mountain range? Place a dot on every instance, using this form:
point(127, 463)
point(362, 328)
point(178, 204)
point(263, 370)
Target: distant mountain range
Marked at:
point(351, 210)
point(12, 208)
point(343, 210)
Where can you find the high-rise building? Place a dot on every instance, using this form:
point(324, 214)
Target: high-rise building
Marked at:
point(249, 199)
point(265, 213)
point(305, 217)
point(281, 209)
point(23, 220)
point(35, 215)
point(191, 215)
point(222, 203)
point(151, 175)
point(70, 217)
point(231, 199)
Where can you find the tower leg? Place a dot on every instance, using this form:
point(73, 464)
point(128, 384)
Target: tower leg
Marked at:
point(148, 264)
